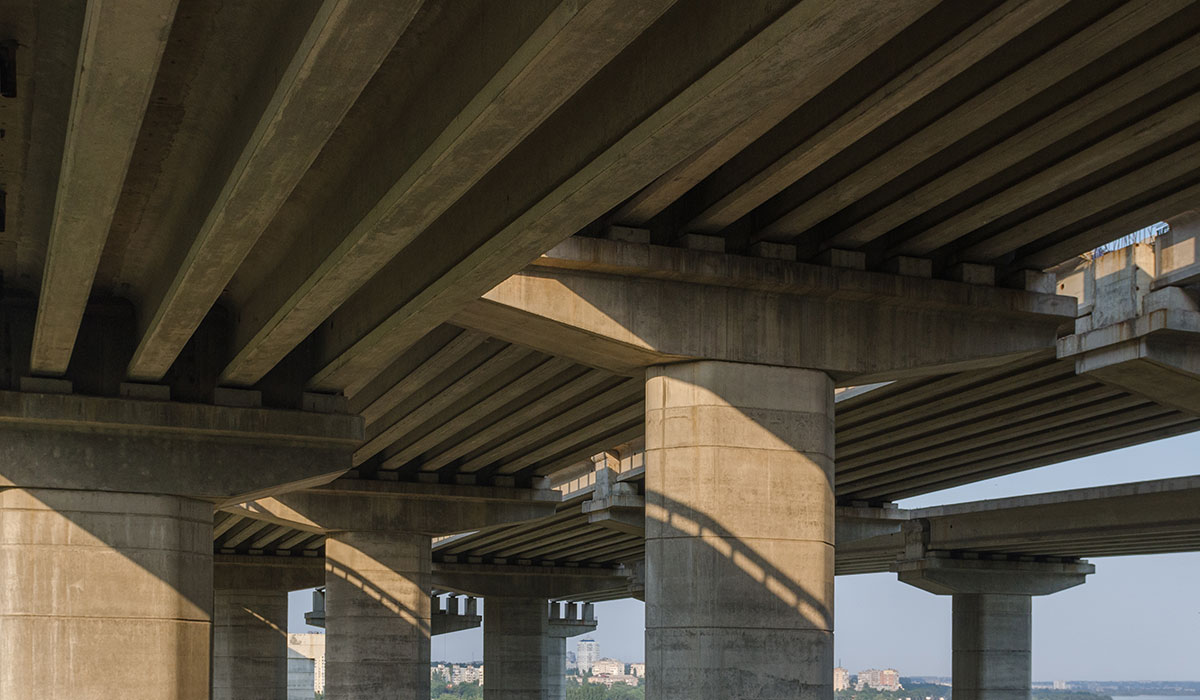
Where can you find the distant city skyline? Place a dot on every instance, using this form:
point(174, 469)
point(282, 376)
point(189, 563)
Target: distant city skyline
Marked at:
point(1079, 634)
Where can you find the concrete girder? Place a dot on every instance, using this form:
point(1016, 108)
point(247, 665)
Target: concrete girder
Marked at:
point(744, 186)
point(1156, 127)
point(678, 180)
point(600, 158)
point(552, 402)
point(351, 505)
point(1052, 67)
point(343, 47)
point(118, 60)
point(624, 306)
point(570, 44)
point(215, 453)
point(507, 581)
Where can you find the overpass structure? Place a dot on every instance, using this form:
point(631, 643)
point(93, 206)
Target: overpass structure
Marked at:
point(391, 276)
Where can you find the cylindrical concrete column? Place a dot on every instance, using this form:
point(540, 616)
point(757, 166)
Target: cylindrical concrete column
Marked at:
point(250, 645)
point(993, 642)
point(106, 595)
point(739, 532)
point(515, 641)
point(377, 616)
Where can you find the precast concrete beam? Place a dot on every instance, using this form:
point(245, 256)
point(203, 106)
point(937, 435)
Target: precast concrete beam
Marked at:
point(625, 306)
point(565, 45)
point(266, 573)
point(118, 58)
point(433, 509)
point(215, 453)
point(509, 581)
point(343, 47)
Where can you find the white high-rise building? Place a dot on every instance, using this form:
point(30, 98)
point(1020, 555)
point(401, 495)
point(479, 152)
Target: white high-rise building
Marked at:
point(306, 665)
point(587, 653)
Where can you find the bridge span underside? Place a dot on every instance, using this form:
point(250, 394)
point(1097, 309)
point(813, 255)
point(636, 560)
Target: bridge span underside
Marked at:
point(573, 300)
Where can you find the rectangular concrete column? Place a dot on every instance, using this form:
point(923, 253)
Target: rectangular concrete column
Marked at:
point(377, 616)
point(554, 673)
point(516, 643)
point(250, 645)
point(105, 595)
point(739, 532)
point(993, 642)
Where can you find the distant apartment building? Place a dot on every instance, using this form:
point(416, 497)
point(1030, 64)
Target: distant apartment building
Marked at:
point(1060, 685)
point(638, 670)
point(841, 679)
point(885, 679)
point(587, 652)
point(306, 665)
point(611, 680)
point(608, 667)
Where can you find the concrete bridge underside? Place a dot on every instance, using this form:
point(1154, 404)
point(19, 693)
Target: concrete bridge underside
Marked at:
point(395, 273)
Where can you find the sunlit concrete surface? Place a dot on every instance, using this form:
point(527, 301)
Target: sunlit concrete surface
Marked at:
point(552, 301)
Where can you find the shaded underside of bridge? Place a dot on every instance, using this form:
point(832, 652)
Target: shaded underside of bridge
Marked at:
point(279, 216)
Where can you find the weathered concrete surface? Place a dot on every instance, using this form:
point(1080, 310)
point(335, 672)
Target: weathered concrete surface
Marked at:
point(377, 612)
point(517, 649)
point(625, 306)
point(250, 644)
point(435, 509)
point(1142, 341)
point(992, 646)
point(992, 642)
point(106, 595)
point(118, 60)
point(739, 532)
point(215, 453)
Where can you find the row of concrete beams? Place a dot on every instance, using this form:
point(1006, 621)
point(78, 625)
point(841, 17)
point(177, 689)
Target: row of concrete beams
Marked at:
point(300, 129)
point(294, 128)
point(1152, 517)
point(1007, 198)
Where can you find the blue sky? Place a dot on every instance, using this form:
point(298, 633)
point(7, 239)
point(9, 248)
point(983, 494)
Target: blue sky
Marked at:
point(1137, 618)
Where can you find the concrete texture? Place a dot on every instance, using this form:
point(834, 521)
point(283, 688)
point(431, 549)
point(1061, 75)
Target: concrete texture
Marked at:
point(739, 532)
point(106, 595)
point(250, 645)
point(377, 616)
point(517, 649)
point(993, 647)
point(992, 639)
point(207, 452)
point(624, 306)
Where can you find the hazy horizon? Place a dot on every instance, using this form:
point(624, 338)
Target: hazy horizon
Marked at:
point(1136, 619)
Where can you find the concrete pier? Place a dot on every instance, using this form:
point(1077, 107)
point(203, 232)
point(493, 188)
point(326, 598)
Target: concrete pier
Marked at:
point(739, 532)
point(993, 646)
point(377, 615)
point(106, 595)
point(250, 644)
point(993, 638)
point(515, 644)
